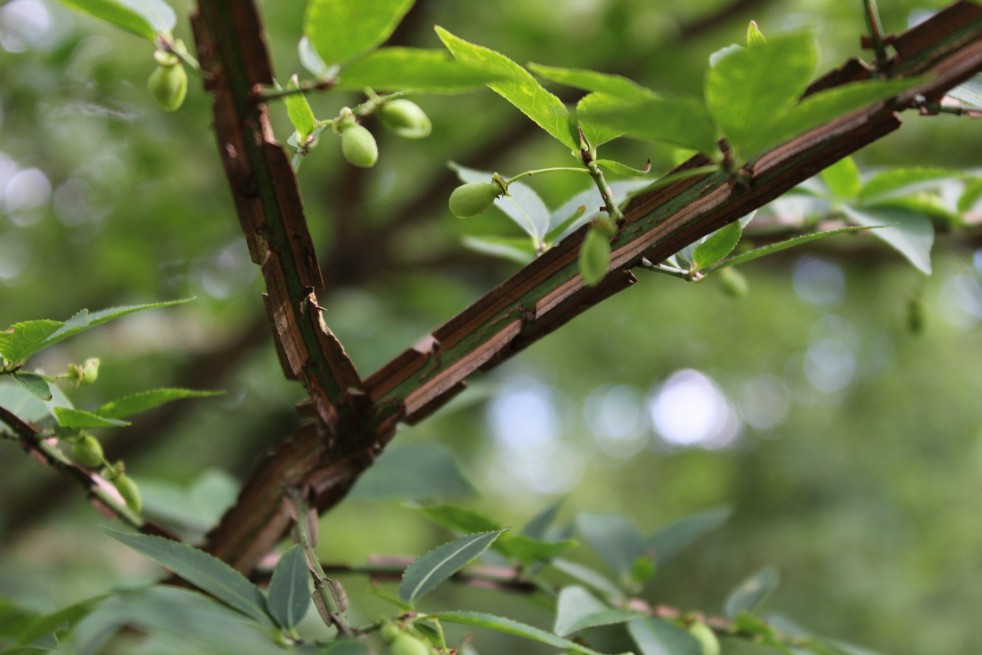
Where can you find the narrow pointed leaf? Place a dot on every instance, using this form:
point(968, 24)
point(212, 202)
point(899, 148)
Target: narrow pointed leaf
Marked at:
point(21, 340)
point(436, 566)
point(577, 609)
point(415, 70)
point(145, 18)
point(518, 87)
point(824, 107)
point(460, 519)
point(520, 250)
point(672, 539)
point(589, 577)
point(620, 168)
point(717, 245)
point(34, 383)
point(909, 233)
point(527, 550)
point(538, 525)
point(587, 80)
point(204, 571)
point(512, 627)
point(146, 400)
point(681, 122)
point(900, 181)
point(750, 88)
point(656, 636)
point(298, 109)
point(614, 538)
point(85, 320)
point(772, 248)
point(842, 178)
point(289, 588)
point(750, 594)
point(81, 420)
point(340, 29)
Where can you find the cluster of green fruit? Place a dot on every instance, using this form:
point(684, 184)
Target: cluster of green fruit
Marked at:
point(402, 117)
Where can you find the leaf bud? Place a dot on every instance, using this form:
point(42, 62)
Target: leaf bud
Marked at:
point(754, 36)
point(358, 146)
point(473, 198)
point(405, 118)
point(87, 451)
point(168, 83)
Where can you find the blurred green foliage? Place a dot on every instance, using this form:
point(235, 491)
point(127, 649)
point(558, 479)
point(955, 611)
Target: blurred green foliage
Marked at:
point(849, 447)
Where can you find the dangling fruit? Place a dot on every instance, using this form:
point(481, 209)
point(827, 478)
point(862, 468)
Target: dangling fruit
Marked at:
point(594, 256)
point(406, 644)
point(358, 145)
point(473, 198)
point(168, 84)
point(129, 491)
point(405, 119)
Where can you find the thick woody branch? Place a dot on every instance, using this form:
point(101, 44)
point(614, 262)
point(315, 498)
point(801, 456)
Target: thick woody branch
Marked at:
point(543, 296)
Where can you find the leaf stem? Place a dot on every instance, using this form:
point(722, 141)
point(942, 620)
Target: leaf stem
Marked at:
point(262, 93)
point(554, 169)
point(876, 34)
point(328, 590)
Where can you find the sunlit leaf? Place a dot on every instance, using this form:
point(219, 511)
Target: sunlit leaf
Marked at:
point(842, 178)
point(298, 109)
point(577, 609)
point(519, 87)
point(433, 568)
point(750, 88)
point(143, 401)
point(717, 245)
point(21, 340)
point(340, 29)
point(289, 588)
point(750, 594)
point(512, 627)
point(681, 122)
point(909, 233)
point(204, 571)
point(415, 70)
point(587, 80)
point(145, 18)
point(904, 180)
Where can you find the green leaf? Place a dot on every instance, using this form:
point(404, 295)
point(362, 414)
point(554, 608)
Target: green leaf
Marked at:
point(672, 539)
point(433, 568)
point(56, 623)
point(518, 87)
point(145, 18)
point(577, 609)
point(538, 525)
point(208, 573)
point(84, 320)
point(842, 178)
point(969, 92)
point(586, 206)
point(619, 168)
point(512, 627)
point(749, 88)
point(596, 132)
point(530, 551)
point(588, 576)
point(340, 30)
point(78, 419)
point(614, 538)
point(298, 109)
point(754, 36)
point(909, 233)
point(735, 646)
point(901, 181)
point(717, 245)
point(21, 340)
point(587, 80)
point(146, 400)
point(460, 519)
point(656, 636)
point(520, 250)
point(681, 122)
point(824, 107)
point(750, 594)
point(772, 248)
point(34, 383)
point(423, 470)
point(26, 405)
point(289, 588)
point(415, 70)
point(312, 61)
point(971, 195)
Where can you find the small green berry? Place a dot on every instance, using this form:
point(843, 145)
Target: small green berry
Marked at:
point(706, 638)
point(594, 256)
point(391, 632)
point(358, 146)
point(129, 491)
point(407, 644)
point(732, 282)
point(473, 198)
point(90, 370)
point(405, 119)
point(168, 83)
point(87, 451)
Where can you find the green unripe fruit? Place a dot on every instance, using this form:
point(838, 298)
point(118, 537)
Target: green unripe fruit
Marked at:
point(129, 491)
point(391, 632)
point(358, 146)
point(732, 282)
point(168, 84)
point(473, 198)
point(405, 119)
point(406, 644)
point(87, 451)
point(706, 638)
point(594, 256)
point(90, 371)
